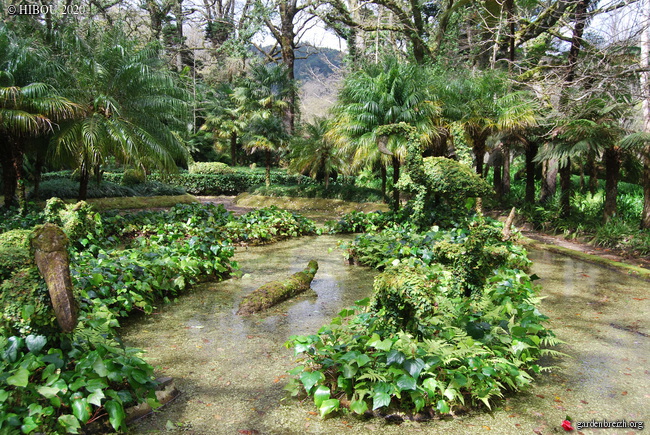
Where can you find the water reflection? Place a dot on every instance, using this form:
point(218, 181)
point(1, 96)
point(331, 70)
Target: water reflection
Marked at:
point(232, 369)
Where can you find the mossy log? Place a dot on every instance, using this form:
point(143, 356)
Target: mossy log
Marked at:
point(49, 243)
point(275, 292)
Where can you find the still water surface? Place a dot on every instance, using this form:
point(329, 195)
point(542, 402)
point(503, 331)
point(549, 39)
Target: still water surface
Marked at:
point(231, 370)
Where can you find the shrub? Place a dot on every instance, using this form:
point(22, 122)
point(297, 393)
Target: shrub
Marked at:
point(421, 343)
point(132, 177)
point(14, 252)
point(334, 191)
point(210, 168)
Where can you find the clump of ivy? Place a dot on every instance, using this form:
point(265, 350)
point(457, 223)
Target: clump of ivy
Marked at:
point(453, 323)
point(57, 383)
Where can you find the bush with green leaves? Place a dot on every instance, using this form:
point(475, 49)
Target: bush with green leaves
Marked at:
point(423, 342)
point(234, 183)
point(110, 186)
point(345, 192)
point(56, 384)
point(210, 168)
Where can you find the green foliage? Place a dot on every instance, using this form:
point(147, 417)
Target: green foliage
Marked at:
point(228, 184)
point(65, 187)
point(14, 252)
point(345, 192)
point(421, 343)
point(57, 383)
point(210, 168)
point(54, 385)
point(132, 177)
point(25, 304)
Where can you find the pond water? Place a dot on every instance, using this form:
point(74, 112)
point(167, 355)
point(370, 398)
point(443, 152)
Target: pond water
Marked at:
point(231, 370)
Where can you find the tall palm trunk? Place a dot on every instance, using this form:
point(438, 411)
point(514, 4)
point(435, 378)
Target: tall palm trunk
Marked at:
point(531, 152)
point(505, 180)
point(565, 186)
point(612, 159)
point(396, 166)
point(382, 171)
point(549, 180)
point(233, 148)
point(8, 174)
point(17, 160)
point(267, 178)
point(84, 179)
point(479, 152)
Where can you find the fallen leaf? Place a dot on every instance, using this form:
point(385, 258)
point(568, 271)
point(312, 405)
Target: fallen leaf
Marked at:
point(639, 299)
point(541, 396)
point(486, 427)
point(312, 413)
point(624, 393)
point(584, 401)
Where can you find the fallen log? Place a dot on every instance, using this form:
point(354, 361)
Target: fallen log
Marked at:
point(275, 292)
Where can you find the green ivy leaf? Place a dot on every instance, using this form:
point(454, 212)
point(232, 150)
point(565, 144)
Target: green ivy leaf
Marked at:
point(116, 414)
point(358, 406)
point(394, 357)
point(406, 382)
point(349, 371)
point(414, 366)
point(20, 378)
point(309, 379)
point(96, 397)
point(35, 343)
point(48, 392)
point(96, 384)
point(69, 423)
point(81, 409)
point(29, 425)
point(442, 407)
point(321, 394)
point(379, 400)
point(3, 395)
point(328, 406)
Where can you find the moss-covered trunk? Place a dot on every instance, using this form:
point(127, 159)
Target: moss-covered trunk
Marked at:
point(275, 292)
point(51, 255)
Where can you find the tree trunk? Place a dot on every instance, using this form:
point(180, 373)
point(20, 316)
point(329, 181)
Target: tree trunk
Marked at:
point(505, 180)
point(549, 180)
point(38, 169)
point(17, 158)
point(8, 174)
point(275, 292)
point(233, 148)
point(645, 89)
point(593, 176)
point(479, 153)
point(396, 166)
point(382, 170)
point(612, 159)
point(531, 152)
point(498, 182)
point(267, 177)
point(565, 185)
point(83, 182)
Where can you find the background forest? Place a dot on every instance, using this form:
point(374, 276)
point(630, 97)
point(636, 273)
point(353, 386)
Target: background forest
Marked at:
point(530, 93)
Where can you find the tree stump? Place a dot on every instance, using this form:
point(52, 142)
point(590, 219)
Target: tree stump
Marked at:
point(275, 292)
point(49, 243)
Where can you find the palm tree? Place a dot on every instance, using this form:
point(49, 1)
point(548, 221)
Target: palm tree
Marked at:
point(263, 99)
point(379, 96)
point(315, 152)
point(29, 107)
point(484, 106)
point(26, 112)
point(132, 106)
point(225, 119)
point(594, 129)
